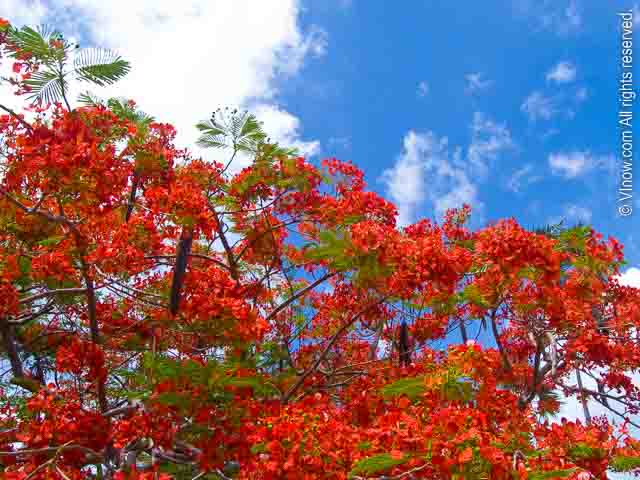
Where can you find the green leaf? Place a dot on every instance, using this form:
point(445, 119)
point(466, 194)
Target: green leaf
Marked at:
point(240, 131)
point(259, 448)
point(25, 265)
point(582, 451)
point(174, 399)
point(100, 66)
point(34, 41)
point(457, 389)
point(88, 99)
point(48, 242)
point(46, 86)
point(472, 294)
point(376, 464)
point(362, 446)
point(122, 109)
point(412, 387)
point(624, 464)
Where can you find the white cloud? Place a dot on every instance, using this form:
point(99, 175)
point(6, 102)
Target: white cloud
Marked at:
point(569, 165)
point(538, 106)
point(576, 163)
point(24, 11)
point(457, 190)
point(284, 127)
point(522, 177)
point(423, 89)
point(191, 57)
point(429, 170)
point(476, 83)
point(405, 180)
point(563, 72)
point(563, 17)
point(18, 12)
point(488, 139)
point(630, 277)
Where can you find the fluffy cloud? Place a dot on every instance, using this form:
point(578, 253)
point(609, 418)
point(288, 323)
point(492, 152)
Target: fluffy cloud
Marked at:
point(429, 170)
point(563, 72)
point(425, 170)
point(569, 165)
point(576, 163)
point(630, 277)
point(191, 57)
point(572, 214)
point(405, 180)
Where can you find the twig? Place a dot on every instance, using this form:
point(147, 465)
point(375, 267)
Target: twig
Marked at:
point(17, 117)
point(326, 350)
point(300, 293)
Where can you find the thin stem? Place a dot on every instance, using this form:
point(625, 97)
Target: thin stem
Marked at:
point(17, 117)
point(326, 350)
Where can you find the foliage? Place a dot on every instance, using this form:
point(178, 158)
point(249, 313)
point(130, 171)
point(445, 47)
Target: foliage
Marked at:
point(46, 63)
point(377, 464)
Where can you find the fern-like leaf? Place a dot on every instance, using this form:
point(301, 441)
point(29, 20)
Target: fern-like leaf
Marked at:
point(240, 131)
point(376, 464)
point(100, 66)
point(123, 109)
point(213, 134)
point(46, 86)
point(36, 42)
point(88, 99)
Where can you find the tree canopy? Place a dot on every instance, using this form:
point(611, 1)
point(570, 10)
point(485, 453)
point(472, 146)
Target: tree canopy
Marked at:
point(166, 316)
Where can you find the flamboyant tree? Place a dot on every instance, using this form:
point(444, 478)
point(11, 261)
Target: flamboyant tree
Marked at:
point(164, 316)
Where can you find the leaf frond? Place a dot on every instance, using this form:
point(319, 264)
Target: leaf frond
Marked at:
point(37, 42)
point(100, 66)
point(88, 99)
point(46, 86)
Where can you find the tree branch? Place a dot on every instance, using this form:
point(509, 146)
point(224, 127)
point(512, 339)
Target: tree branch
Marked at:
point(300, 293)
point(325, 351)
point(17, 117)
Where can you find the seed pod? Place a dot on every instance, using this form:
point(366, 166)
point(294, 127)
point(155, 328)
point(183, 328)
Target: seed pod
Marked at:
point(180, 268)
point(132, 196)
point(405, 354)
